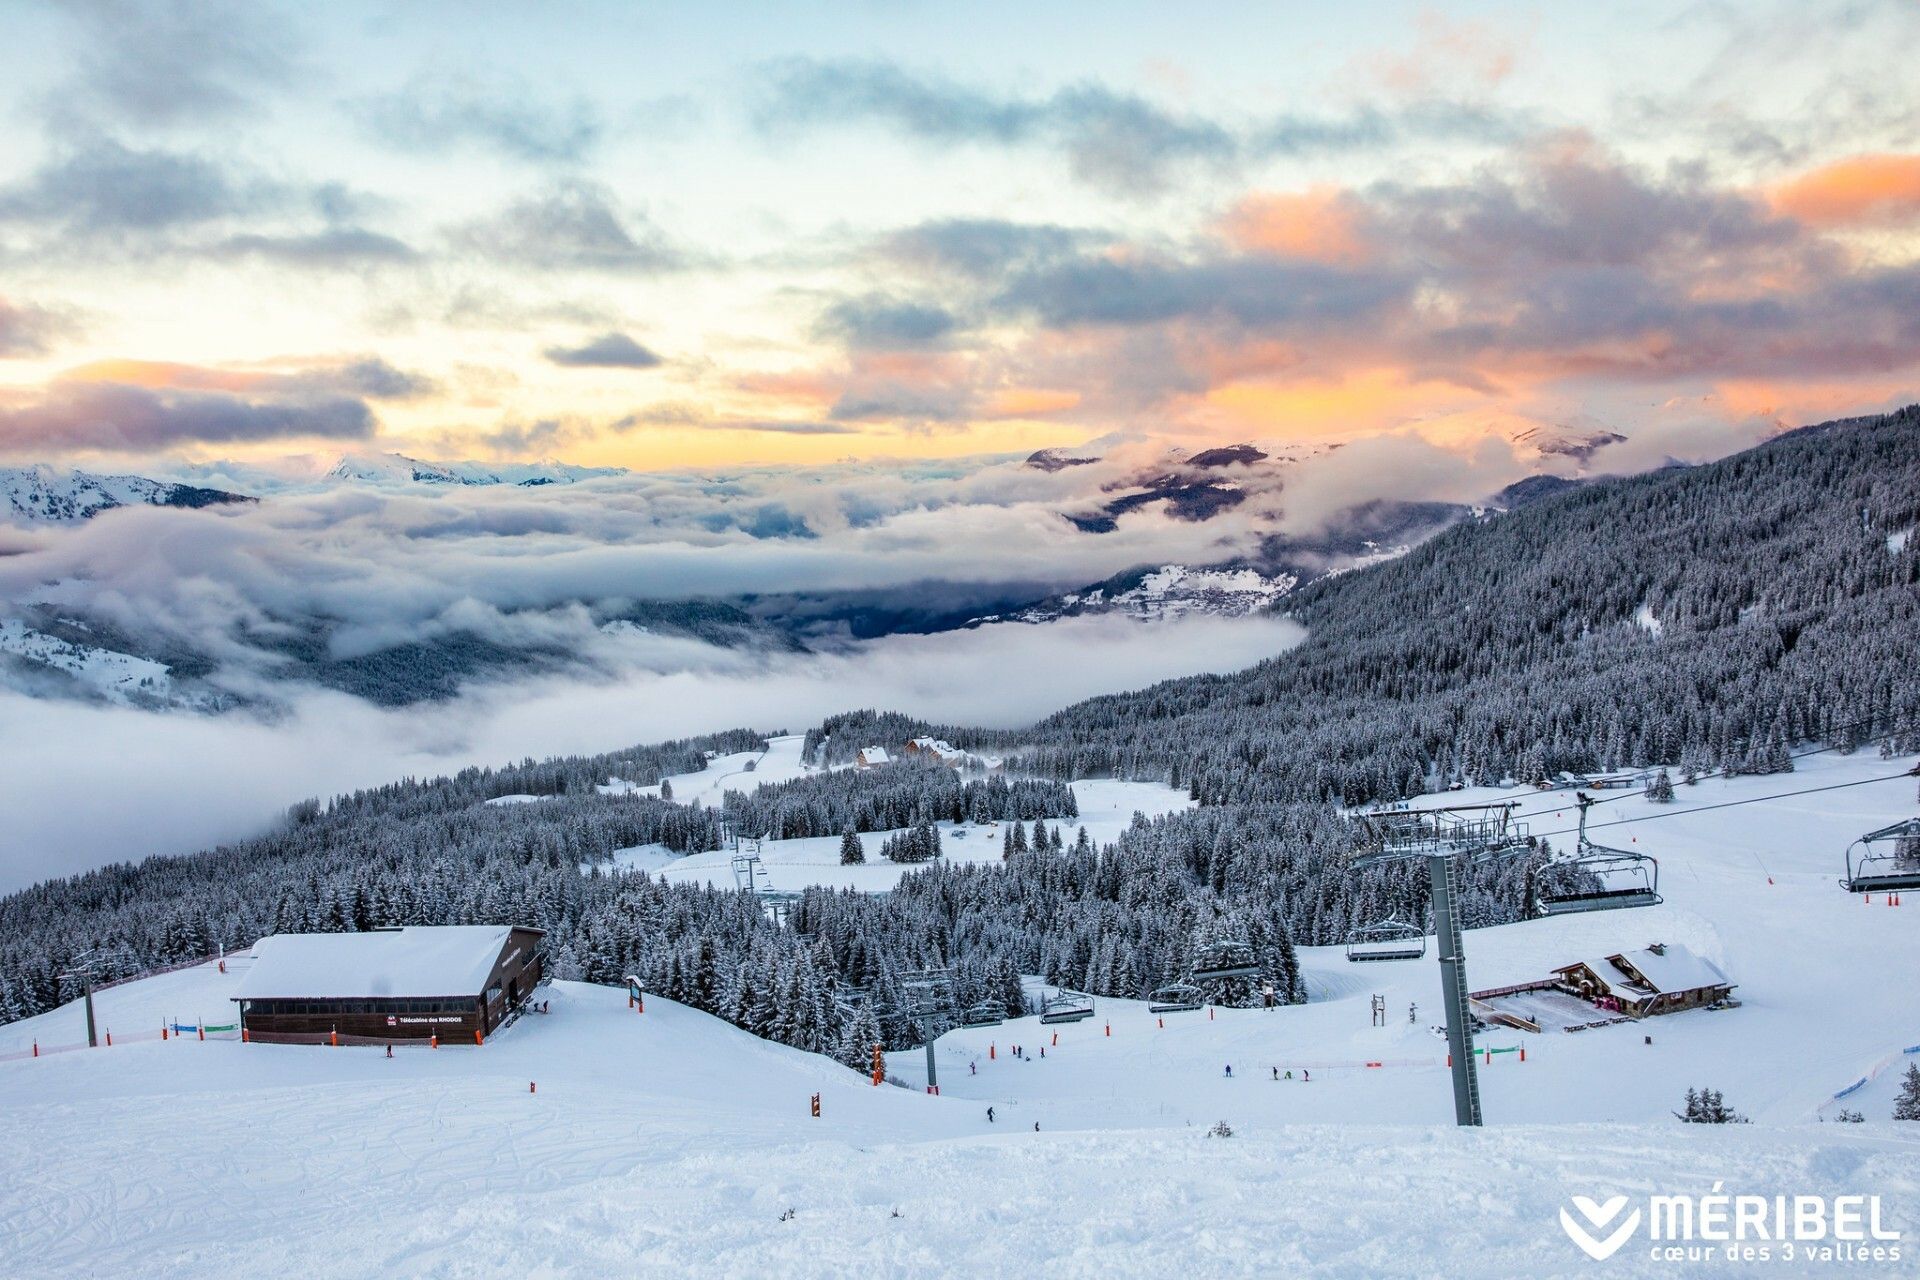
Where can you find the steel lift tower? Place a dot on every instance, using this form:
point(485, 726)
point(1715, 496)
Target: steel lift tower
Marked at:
point(1447, 839)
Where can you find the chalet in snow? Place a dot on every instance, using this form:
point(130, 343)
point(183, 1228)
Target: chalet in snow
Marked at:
point(1661, 978)
point(456, 982)
point(872, 756)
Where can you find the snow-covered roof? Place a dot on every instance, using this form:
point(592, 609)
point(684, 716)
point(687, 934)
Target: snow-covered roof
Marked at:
point(1679, 969)
point(1616, 982)
point(420, 960)
point(874, 755)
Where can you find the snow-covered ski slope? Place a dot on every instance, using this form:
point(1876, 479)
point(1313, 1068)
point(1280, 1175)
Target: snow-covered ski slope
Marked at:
point(670, 1144)
point(1106, 807)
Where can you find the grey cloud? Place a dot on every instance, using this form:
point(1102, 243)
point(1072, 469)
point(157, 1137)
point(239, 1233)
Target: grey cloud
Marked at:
point(112, 416)
point(886, 401)
point(433, 115)
point(574, 226)
point(375, 377)
point(882, 323)
point(1120, 142)
point(333, 247)
point(165, 63)
point(1253, 292)
point(987, 247)
point(102, 186)
point(608, 351)
point(28, 330)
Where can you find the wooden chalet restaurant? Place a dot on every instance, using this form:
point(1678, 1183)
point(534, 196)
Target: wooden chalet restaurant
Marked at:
point(455, 983)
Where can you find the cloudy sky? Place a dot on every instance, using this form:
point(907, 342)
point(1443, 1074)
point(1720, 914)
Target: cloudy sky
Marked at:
point(664, 235)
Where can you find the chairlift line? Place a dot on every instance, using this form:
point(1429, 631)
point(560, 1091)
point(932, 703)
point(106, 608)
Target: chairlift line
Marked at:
point(1730, 804)
point(1801, 754)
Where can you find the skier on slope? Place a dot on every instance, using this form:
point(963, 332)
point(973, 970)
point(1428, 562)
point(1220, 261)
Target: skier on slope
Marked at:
point(989, 1115)
point(1229, 1071)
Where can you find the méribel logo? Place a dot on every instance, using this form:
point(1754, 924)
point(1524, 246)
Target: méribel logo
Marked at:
point(1598, 1237)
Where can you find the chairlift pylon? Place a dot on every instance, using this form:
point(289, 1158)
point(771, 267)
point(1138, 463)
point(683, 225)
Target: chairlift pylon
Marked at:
point(1885, 860)
point(1595, 878)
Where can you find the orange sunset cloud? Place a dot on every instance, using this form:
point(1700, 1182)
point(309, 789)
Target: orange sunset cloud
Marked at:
point(1320, 224)
point(1880, 189)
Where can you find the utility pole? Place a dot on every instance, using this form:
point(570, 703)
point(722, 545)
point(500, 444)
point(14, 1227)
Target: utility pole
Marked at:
point(1446, 839)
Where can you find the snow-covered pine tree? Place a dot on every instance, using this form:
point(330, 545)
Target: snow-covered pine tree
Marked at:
point(1907, 1105)
point(852, 851)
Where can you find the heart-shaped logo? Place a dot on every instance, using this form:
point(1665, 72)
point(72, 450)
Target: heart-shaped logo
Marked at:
point(1592, 1237)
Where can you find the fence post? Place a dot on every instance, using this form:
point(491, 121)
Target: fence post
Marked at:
point(202, 1028)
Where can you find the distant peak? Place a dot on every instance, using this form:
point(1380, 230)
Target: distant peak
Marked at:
point(1055, 460)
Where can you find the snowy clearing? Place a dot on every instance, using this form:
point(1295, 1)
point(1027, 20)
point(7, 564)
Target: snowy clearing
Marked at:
point(1106, 807)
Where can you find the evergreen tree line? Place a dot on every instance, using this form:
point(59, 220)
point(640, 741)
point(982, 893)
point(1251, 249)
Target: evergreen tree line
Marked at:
point(905, 793)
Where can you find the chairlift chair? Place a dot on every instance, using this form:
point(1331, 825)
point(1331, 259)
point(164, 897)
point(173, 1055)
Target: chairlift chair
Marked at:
point(1387, 940)
point(1175, 997)
point(1885, 860)
point(1596, 878)
point(1218, 960)
point(1066, 1006)
point(984, 1014)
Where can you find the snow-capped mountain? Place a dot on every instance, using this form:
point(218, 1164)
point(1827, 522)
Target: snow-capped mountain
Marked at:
point(1168, 591)
point(49, 495)
point(398, 469)
point(1578, 444)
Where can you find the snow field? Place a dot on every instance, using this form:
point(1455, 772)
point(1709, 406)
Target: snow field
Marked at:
point(670, 1144)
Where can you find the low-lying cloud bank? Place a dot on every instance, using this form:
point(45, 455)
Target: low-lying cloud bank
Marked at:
point(90, 785)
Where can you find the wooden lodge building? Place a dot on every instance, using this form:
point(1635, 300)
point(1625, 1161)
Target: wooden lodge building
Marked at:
point(1661, 978)
point(456, 982)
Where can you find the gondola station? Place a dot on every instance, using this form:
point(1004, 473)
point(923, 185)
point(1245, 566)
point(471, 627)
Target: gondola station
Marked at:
point(445, 983)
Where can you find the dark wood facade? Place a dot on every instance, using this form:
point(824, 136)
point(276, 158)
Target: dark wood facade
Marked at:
point(460, 1017)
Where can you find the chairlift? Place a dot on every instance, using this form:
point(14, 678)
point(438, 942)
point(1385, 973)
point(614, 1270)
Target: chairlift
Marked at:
point(1886, 859)
point(1219, 960)
point(1067, 1006)
point(1175, 997)
point(984, 1014)
point(1595, 878)
point(1387, 940)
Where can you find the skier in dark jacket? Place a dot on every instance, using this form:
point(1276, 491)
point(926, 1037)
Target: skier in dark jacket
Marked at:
point(989, 1115)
